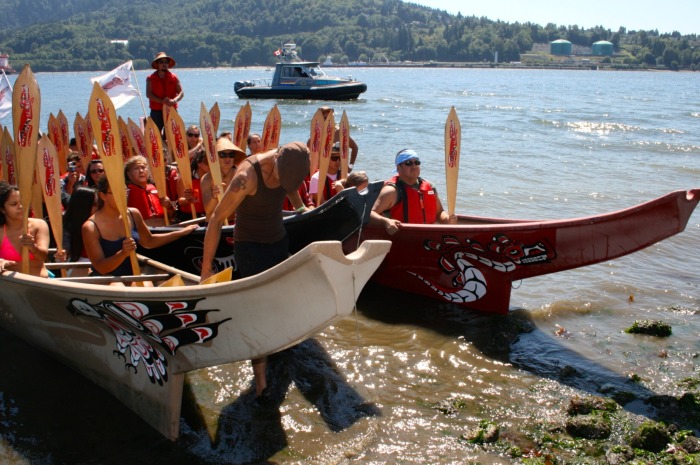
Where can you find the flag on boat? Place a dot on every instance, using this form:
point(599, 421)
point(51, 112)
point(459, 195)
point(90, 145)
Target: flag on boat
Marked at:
point(278, 52)
point(118, 84)
point(5, 96)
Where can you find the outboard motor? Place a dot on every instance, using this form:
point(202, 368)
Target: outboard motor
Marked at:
point(241, 84)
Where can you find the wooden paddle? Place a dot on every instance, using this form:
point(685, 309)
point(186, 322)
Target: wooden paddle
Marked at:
point(326, 147)
point(154, 155)
point(103, 119)
point(138, 142)
point(127, 148)
point(241, 126)
point(2, 151)
point(315, 140)
point(344, 145)
point(81, 140)
point(453, 138)
point(50, 185)
point(26, 107)
point(65, 132)
point(56, 138)
point(37, 197)
point(215, 115)
point(220, 277)
point(7, 149)
point(271, 129)
point(209, 142)
point(175, 132)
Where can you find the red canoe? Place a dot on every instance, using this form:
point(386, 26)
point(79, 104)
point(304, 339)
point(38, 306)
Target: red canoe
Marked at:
point(474, 263)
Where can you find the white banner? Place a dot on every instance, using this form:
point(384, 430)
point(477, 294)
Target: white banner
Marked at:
point(5, 96)
point(118, 84)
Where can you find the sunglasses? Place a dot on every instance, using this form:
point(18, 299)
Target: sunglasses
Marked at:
point(190, 134)
point(335, 158)
point(227, 154)
point(97, 171)
point(164, 60)
point(411, 163)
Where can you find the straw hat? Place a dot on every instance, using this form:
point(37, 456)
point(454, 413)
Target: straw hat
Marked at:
point(171, 60)
point(224, 144)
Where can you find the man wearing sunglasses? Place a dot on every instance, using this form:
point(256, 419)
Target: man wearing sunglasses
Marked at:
point(162, 88)
point(408, 198)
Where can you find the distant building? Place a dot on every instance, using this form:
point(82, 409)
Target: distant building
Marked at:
point(560, 47)
point(602, 48)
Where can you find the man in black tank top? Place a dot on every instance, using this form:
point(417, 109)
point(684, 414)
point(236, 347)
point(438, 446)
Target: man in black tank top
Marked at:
point(256, 194)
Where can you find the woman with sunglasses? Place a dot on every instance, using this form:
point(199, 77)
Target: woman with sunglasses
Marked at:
point(408, 198)
point(95, 170)
point(230, 156)
point(195, 141)
point(331, 177)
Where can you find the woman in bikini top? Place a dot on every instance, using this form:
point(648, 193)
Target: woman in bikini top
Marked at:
point(12, 240)
point(103, 235)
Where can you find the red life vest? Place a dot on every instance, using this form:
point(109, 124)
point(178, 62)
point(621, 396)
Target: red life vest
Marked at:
point(145, 200)
point(418, 206)
point(162, 87)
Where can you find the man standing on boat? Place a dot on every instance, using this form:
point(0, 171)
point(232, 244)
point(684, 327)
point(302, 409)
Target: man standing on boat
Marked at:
point(162, 88)
point(256, 193)
point(408, 198)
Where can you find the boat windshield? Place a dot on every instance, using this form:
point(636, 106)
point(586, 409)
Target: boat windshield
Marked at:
point(315, 71)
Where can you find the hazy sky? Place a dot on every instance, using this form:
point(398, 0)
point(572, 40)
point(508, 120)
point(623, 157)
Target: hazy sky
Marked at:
point(665, 16)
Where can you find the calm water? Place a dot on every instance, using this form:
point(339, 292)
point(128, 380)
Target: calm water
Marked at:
point(535, 144)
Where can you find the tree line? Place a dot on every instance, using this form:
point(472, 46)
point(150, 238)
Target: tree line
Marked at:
point(80, 34)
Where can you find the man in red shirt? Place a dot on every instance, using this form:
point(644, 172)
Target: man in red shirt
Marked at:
point(162, 88)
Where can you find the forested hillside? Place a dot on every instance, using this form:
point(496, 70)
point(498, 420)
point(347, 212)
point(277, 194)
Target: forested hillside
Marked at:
point(79, 34)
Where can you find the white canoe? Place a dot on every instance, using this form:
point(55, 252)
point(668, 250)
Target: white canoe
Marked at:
point(138, 343)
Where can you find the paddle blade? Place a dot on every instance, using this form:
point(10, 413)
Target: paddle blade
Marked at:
point(271, 129)
point(81, 140)
point(215, 115)
point(344, 145)
point(138, 142)
point(326, 146)
point(49, 182)
point(220, 277)
point(453, 137)
point(26, 109)
point(174, 281)
point(209, 142)
point(127, 149)
point(175, 134)
point(154, 153)
point(7, 151)
point(65, 131)
point(315, 140)
point(241, 127)
point(56, 138)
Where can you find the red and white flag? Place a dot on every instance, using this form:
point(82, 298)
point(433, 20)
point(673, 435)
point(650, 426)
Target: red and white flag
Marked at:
point(118, 84)
point(5, 96)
